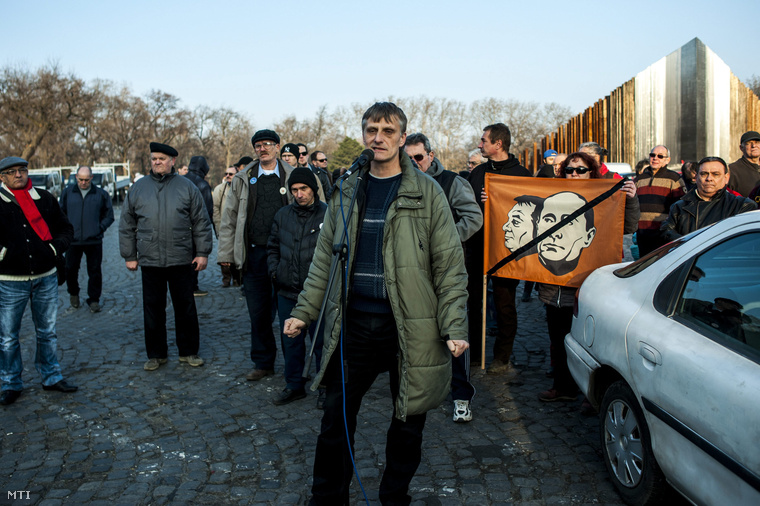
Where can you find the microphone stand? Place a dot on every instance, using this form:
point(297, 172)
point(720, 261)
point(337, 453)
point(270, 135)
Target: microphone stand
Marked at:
point(340, 256)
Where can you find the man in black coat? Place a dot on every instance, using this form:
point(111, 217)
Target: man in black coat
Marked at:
point(89, 210)
point(196, 172)
point(289, 251)
point(710, 202)
point(33, 233)
point(494, 144)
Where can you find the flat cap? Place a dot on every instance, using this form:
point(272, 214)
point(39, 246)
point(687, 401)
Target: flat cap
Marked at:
point(265, 135)
point(12, 161)
point(750, 136)
point(157, 147)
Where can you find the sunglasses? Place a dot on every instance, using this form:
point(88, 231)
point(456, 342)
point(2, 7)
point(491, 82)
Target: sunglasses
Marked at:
point(657, 155)
point(579, 170)
point(419, 158)
point(83, 180)
point(303, 153)
point(322, 160)
point(229, 173)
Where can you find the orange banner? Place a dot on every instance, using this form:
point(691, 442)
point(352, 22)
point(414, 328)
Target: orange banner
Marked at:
point(519, 209)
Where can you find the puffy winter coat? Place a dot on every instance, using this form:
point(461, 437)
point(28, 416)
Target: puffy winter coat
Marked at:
point(161, 219)
point(291, 245)
point(90, 216)
point(424, 276)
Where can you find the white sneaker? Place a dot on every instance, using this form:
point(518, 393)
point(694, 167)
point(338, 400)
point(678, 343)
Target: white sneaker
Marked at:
point(462, 411)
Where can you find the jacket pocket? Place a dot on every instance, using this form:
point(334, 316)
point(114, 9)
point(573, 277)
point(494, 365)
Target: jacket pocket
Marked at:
point(182, 242)
point(146, 245)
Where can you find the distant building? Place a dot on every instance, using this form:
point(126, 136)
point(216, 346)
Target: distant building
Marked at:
point(689, 101)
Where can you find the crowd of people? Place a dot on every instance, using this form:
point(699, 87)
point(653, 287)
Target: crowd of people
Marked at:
point(404, 267)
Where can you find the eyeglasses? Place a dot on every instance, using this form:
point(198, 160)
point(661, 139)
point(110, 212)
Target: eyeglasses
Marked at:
point(472, 164)
point(12, 172)
point(261, 145)
point(419, 158)
point(229, 173)
point(579, 170)
point(303, 153)
point(322, 160)
point(657, 155)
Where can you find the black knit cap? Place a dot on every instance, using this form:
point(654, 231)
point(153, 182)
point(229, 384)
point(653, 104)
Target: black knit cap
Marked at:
point(303, 175)
point(157, 147)
point(289, 148)
point(265, 135)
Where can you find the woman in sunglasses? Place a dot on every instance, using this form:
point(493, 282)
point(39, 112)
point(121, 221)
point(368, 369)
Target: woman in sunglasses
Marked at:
point(558, 300)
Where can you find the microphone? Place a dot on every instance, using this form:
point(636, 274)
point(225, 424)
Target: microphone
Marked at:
point(367, 156)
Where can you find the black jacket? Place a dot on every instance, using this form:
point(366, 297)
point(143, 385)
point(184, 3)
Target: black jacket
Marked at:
point(23, 252)
point(291, 245)
point(196, 172)
point(692, 213)
point(509, 167)
point(90, 216)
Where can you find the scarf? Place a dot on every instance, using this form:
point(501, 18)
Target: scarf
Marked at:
point(31, 212)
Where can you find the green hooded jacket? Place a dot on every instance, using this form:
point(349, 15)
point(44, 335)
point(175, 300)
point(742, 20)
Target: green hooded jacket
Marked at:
point(424, 276)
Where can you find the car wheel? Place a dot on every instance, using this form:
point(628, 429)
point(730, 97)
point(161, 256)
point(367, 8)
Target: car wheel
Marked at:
point(627, 448)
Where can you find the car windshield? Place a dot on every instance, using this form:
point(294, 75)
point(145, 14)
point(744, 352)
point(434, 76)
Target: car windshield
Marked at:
point(642, 263)
point(38, 179)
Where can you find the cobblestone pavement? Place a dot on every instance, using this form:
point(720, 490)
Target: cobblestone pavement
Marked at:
point(183, 435)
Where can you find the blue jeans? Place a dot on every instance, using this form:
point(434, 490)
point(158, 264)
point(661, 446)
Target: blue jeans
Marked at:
point(14, 295)
point(257, 286)
point(294, 348)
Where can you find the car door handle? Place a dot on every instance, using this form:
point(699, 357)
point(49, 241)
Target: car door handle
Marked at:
point(650, 353)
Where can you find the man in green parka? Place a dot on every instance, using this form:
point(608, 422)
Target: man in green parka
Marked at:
point(406, 310)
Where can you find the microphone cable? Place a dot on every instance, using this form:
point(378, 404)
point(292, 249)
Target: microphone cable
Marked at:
point(342, 344)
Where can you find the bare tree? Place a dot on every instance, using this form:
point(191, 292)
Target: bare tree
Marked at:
point(34, 104)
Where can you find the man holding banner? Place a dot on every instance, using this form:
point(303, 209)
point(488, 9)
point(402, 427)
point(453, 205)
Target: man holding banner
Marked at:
point(494, 145)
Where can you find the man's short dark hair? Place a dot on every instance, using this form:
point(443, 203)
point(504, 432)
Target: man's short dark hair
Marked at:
point(499, 132)
point(419, 138)
point(388, 111)
point(713, 159)
point(313, 155)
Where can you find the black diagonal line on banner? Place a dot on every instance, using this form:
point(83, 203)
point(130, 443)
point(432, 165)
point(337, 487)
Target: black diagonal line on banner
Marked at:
point(589, 205)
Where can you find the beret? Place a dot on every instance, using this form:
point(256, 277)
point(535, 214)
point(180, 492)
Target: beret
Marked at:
point(244, 161)
point(157, 147)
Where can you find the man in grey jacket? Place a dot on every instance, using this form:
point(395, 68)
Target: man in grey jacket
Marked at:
point(468, 219)
point(257, 193)
point(163, 222)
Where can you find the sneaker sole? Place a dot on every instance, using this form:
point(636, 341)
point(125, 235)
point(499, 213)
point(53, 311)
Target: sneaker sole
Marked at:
point(186, 361)
point(160, 363)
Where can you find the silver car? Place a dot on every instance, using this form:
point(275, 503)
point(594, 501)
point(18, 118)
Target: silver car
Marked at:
point(667, 348)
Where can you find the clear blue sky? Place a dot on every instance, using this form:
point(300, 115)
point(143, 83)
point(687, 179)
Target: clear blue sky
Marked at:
point(272, 59)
